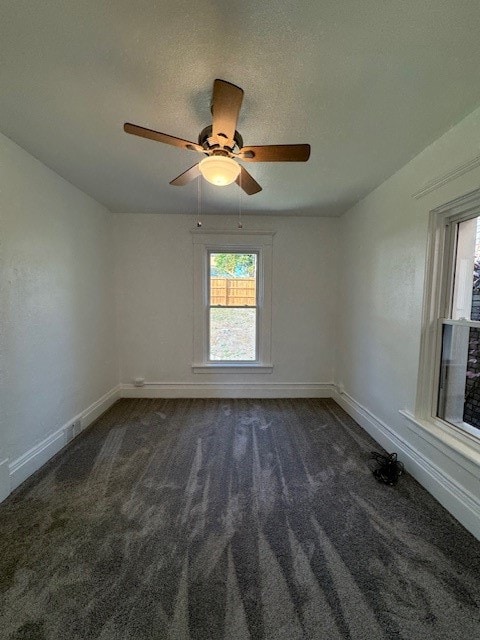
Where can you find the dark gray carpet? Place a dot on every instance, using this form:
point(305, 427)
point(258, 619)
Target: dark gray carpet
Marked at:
point(230, 519)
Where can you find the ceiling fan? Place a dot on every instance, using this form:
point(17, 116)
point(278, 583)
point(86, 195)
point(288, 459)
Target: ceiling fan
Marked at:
point(223, 145)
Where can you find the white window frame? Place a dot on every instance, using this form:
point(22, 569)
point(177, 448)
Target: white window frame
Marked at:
point(437, 295)
point(205, 243)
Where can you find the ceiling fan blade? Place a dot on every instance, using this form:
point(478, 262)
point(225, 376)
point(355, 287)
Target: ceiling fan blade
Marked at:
point(247, 182)
point(186, 177)
point(275, 153)
point(161, 137)
point(226, 102)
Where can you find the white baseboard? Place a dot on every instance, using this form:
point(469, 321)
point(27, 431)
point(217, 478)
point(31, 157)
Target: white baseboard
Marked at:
point(4, 479)
point(23, 467)
point(461, 503)
point(37, 456)
point(96, 409)
point(228, 390)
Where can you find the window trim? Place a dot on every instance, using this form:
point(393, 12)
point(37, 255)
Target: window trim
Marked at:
point(436, 296)
point(204, 243)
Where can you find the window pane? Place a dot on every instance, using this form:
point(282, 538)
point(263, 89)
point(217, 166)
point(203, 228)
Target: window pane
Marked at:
point(233, 279)
point(232, 334)
point(466, 288)
point(459, 390)
point(471, 412)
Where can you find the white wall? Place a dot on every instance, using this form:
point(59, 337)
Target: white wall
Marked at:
point(383, 243)
point(57, 312)
point(154, 257)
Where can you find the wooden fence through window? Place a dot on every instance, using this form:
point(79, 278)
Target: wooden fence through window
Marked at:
point(233, 292)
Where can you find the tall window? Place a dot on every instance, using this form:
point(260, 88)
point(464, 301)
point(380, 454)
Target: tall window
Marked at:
point(233, 309)
point(232, 302)
point(458, 399)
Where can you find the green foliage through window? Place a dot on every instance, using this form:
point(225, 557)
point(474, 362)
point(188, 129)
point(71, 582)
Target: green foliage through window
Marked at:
point(240, 265)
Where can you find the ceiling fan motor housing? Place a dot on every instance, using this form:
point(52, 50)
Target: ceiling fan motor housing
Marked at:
point(208, 142)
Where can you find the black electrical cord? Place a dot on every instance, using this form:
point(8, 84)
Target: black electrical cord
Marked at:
point(387, 468)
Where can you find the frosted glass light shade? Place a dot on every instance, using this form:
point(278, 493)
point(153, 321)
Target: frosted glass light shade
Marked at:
point(219, 170)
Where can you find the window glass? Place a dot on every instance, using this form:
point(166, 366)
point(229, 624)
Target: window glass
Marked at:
point(233, 306)
point(466, 279)
point(233, 333)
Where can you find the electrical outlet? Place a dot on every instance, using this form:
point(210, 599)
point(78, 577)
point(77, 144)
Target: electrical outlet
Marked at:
point(77, 427)
point(73, 430)
point(69, 432)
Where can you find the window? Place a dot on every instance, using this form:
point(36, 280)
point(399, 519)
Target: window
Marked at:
point(458, 399)
point(449, 382)
point(232, 302)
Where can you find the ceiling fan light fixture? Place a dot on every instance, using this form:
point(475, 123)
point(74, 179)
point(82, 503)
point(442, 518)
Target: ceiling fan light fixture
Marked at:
point(219, 170)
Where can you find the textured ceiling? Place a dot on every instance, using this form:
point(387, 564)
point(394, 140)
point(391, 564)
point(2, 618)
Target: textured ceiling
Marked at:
point(369, 84)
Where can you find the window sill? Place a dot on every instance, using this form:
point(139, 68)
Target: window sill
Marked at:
point(439, 433)
point(232, 368)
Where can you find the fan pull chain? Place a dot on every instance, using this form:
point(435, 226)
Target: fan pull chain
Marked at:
point(240, 224)
point(199, 201)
